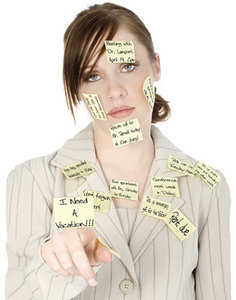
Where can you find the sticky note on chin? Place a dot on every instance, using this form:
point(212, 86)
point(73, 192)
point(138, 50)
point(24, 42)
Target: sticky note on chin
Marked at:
point(112, 251)
point(73, 212)
point(95, 106)
point(126, 133)
point(207, 174)
point(120, 51)
point(148, 91)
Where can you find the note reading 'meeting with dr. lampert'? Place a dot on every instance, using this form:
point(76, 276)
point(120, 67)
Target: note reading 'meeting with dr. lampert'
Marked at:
point(126, 133)
point(120, 51)
point(73, 212)
point(95, 106)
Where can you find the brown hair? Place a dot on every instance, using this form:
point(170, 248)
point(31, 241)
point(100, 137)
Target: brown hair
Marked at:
point(83, 36)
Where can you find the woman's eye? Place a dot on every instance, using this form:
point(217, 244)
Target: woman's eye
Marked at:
point(128, 68)
point(92, 78)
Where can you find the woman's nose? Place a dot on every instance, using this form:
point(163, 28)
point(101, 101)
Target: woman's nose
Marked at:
point(115, 88)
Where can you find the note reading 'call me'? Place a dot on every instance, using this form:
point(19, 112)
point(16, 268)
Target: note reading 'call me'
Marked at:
point(120, 51)
point(155, 208)
point(78, 169)
point(95, 106)
point(101, 201)
point(124, 189)
point(165, 186)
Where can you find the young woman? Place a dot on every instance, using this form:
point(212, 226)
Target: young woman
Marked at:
point(154, 262)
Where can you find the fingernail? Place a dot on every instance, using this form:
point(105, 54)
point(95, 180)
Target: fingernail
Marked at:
point(92, 282)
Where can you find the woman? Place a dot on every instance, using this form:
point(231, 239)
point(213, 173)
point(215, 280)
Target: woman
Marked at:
point(159, 259)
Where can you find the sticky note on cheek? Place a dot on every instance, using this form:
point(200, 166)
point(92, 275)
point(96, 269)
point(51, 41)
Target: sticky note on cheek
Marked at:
point(95, 106)
point(148, 91)
point(73, 212)
point(112, 251)
point(120, 51)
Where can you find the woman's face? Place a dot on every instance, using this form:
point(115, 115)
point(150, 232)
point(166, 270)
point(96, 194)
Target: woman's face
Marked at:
point(121, 85)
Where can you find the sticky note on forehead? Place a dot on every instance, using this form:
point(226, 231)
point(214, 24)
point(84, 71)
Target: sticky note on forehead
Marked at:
point(124, 189)
point(95, 106)
point(73, 212)
point(120, 51)
point(126, 133)
point(78, 169)
point(207, 174)
point(148, 91)
point(165, 186)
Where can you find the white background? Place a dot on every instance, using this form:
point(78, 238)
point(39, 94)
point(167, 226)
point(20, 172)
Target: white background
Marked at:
point(196, 44)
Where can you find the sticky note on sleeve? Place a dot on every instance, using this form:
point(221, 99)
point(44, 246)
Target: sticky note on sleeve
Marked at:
point(71, 212)
point(148, 91)
point(207, 174)
point(124, 189)
point(120, 51)
point(101, 201)
point(155, 208)
point(78, 169)
point(180, 166)
point(95, 106)
point(165, 186)
point(179, 224)
point(126, 133)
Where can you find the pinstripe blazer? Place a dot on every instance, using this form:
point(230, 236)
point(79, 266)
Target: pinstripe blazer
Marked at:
point(159, 265)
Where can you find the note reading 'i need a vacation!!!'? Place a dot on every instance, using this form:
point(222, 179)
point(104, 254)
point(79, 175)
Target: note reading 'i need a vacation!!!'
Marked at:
point(126, 133)
point(101, 201)
point(148, 91)
point(73, 212)
point(165, 186)
point(180, 166)
point(78, 169)
point(112, 251)
point(207, 174)
point(155, 208)
point(179, 224)
point(124, 189)
point(120, 51)
point(95, 106)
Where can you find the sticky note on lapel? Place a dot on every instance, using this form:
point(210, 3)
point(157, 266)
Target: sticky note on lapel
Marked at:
point(180, 166)
point(154, 207)
point(207, 174)
point(78, 169)
point(101, 201)
point(165, 186)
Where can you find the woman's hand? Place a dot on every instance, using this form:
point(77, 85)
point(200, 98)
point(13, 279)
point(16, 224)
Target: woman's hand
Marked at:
point(74, 252)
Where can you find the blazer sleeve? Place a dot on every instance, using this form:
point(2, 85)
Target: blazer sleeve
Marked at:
point(213, 274)
point(28, 217)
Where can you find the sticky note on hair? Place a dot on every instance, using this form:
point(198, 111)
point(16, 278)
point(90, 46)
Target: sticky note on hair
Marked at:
point(126, 133)
point(78, 169)
point(155, 208)
point(101, 201)
point(124, 189)
point(207, 174)
point(112, 251)
point(148, 91)
point(120, 51)
point(179, 224)
point(71, 212)
point(165, 186)
point(95, 106)
point(180, 166)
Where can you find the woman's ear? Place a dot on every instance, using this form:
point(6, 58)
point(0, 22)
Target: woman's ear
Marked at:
point(157, 68)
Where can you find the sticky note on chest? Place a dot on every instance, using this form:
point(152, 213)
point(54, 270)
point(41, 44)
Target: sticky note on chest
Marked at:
point(148, 91)
point(179, 224)
point(101, 201)
point(124, 189)
point(180, 166)
point(165, 186)
point(81, 168)
point(71, 212)
point(95, 106)
point(155, 208)
point(126, 133)
point(120, 51)
point(207, 174)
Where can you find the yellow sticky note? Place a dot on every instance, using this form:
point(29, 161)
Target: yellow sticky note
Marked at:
point(180, 166)
point(120, 51)
point(179, 224)
point(73, 212)
point(207, 174)
point(155, 208)
point(165, 186)
point(95, 106)
point(126, 133)
point(78, 169)
point(112, 251)
point(101, 201)
point(148, 91)
point(124, 189)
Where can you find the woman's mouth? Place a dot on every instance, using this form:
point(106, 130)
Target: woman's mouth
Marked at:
point(121, 111)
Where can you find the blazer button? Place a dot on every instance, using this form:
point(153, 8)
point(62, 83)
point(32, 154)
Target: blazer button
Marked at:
point(126, 286)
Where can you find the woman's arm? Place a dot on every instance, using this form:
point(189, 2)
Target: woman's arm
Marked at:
point(28, 215)
point(212, 274)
